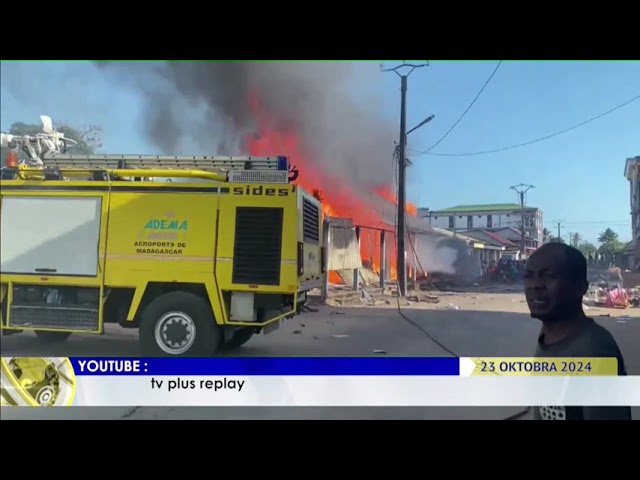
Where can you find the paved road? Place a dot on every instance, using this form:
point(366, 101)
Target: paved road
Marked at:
point(467, 333)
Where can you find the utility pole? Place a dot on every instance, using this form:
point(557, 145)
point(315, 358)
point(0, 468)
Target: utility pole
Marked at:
point(521, 190)
point(401, 227)
point(559, 226)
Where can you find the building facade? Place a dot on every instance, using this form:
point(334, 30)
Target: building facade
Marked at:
point(632, 173)
point(488, 217)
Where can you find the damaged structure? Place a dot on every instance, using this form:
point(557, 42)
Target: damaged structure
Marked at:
point(361, 258)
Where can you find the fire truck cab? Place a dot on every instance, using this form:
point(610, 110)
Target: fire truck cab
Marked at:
point(226, 248)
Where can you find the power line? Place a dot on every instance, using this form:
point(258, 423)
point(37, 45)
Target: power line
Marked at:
point(600, 222)
point(463, 113)
point(531, 142)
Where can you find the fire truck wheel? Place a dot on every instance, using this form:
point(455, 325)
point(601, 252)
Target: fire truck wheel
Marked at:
point(239, 338)
point(52, 337)
point(179, 324)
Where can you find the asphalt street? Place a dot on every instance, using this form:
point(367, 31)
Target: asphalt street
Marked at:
point(338, 332)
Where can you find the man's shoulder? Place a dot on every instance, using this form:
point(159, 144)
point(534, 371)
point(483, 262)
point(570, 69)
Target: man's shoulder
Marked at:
point(593, 340)
point(599, 341)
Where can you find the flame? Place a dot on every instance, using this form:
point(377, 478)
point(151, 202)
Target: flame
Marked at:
point(387, 193)
point(338, 197)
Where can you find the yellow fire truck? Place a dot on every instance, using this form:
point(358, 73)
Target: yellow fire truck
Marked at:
point(198, 253)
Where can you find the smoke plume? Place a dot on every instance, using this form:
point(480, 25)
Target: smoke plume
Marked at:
point(207, 106)
point(433, 256)
point(446, 255)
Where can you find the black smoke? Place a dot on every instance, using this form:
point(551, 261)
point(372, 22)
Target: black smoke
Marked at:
point(204, 106)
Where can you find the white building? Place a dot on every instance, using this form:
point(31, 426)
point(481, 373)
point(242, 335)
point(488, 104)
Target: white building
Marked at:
point(632, 172)
point(489, 217)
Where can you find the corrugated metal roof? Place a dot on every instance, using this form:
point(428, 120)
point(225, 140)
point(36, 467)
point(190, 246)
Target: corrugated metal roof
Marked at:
point(490, 238)
point(515, 233)
point(344, 252)
point(387, 213)
point(499, 238)
point(367, 277)
point(491, 207)
point(452, 234)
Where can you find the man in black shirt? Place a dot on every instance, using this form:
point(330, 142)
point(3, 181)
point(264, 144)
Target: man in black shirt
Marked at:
point(555, 282)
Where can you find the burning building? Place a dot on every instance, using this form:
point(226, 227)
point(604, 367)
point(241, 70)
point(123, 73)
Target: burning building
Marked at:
point(336, 134)
point(368, 210)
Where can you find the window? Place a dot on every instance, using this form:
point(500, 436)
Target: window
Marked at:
point(489, 221)
point(530, 221)
point(452, 222)
point(470, 221)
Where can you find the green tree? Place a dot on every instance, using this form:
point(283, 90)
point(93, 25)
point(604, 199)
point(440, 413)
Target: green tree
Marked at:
point(575, 240)
point(609, 243)
point(607, 236)
point(553, 239)
point(88, 138)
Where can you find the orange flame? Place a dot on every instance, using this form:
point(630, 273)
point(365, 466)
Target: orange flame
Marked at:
point(338, 197)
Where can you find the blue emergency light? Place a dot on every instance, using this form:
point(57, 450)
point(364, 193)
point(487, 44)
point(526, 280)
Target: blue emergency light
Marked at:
point(283, 163)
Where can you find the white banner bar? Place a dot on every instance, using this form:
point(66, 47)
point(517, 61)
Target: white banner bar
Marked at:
point(297, 391)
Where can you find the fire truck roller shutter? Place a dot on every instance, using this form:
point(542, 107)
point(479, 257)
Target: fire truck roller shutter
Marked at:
point(50, 234)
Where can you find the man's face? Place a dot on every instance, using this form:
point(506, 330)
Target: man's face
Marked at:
point(548, 292)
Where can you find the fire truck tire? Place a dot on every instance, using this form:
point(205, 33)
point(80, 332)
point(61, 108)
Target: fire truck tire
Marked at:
point(52, 337)
point(239, 338)
point(179, 324)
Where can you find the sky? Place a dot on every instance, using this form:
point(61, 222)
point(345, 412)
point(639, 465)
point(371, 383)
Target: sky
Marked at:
point(578, 176)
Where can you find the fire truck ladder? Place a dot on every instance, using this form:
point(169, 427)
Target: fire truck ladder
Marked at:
point(245, 169)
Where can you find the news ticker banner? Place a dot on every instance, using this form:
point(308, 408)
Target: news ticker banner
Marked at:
point(319, 382)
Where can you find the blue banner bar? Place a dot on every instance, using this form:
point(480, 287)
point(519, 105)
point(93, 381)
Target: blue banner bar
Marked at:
point(267, 366)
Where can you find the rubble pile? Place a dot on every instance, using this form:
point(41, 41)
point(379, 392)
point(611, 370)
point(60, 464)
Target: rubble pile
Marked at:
point(371, 294)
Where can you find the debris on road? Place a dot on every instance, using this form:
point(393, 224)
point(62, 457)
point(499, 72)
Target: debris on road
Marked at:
point(340, 335)
point(337, 312)
point(380, 351)
point(374, 297)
